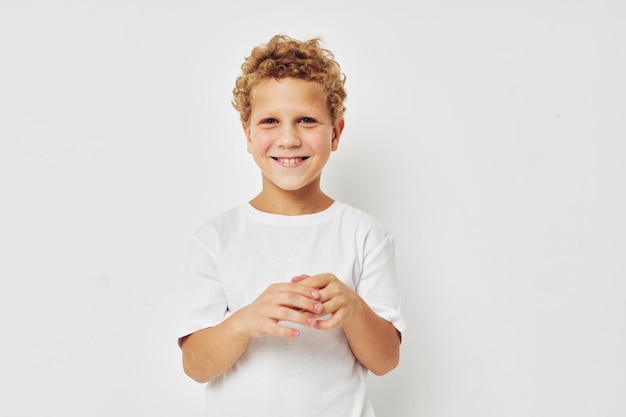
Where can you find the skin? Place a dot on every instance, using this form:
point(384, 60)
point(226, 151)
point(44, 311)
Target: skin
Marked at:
point(290, 121)
point(291, 136)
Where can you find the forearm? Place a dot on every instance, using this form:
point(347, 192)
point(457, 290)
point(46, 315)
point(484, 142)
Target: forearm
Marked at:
point(208, 353)
point(374, 341)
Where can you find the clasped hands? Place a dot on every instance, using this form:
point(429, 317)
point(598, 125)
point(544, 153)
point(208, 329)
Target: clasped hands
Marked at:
point(304, 300)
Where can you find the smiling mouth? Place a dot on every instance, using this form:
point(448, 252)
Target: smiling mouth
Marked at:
point(290, 161)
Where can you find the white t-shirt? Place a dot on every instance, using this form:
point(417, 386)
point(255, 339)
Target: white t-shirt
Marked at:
point(237, 255)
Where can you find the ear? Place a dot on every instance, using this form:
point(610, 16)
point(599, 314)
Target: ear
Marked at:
point(337, 129)
point(246, 131)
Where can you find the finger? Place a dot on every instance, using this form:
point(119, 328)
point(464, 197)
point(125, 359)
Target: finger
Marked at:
point(285, 314)
point(330, 294)
point(296, 288)
point(320, 280)
point(300, 302)
point(334, 321)
point(299, 278)
point(284, 331)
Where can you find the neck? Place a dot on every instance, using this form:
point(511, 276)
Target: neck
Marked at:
point(307, 200)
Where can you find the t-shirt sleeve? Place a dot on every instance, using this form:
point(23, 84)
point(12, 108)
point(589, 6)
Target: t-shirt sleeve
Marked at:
point(378, 285)
point(202, 301)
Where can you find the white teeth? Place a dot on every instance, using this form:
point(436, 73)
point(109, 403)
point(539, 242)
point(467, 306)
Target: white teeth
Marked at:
point(289, 161)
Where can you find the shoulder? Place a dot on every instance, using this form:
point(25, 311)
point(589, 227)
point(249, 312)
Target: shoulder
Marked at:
point(363, 223)
point(219, 223)
point(358, 216)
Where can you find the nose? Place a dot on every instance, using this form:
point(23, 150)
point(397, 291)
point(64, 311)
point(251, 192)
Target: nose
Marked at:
point(289, 137)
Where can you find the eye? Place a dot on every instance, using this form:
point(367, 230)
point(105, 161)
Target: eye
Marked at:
point(269, 121)
point(308, 120)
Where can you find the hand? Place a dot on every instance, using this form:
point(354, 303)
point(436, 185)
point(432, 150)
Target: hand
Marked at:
point(336, 298)
point(291, 301)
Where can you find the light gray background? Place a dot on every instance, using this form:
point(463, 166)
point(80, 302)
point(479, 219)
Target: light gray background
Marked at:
point(489, 136)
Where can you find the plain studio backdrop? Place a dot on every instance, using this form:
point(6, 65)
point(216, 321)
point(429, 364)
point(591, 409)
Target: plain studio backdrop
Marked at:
point(488, 136)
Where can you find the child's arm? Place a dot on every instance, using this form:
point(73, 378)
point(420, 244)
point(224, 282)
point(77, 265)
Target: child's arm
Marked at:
point(210, 352)
point(374, 341)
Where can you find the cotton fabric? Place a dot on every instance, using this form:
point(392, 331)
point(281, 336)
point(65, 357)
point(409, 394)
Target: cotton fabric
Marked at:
point(236, 255)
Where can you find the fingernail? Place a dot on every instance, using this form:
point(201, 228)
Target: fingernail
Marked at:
point(318, 307)
point(311, 321)
point(315, 293)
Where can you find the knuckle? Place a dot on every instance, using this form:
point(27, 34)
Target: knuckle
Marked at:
point(293, 298)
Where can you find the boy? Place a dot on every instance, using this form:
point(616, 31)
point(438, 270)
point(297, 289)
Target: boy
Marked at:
point(290, 298)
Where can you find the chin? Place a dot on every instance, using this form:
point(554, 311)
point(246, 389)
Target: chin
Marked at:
point(292, 187)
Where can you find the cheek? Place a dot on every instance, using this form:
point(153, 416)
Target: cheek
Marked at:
point(323, 144)
point(258, 142)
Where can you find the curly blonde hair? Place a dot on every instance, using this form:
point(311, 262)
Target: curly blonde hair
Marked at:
point(284, 57)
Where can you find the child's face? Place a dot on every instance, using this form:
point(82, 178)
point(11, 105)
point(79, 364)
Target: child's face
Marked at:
point(290, 134)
